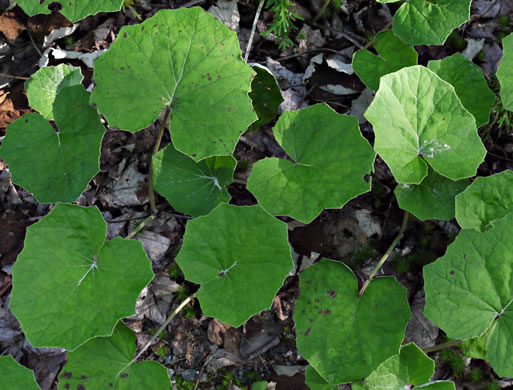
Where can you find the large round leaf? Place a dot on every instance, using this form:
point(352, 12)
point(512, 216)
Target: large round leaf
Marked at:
point(344, 336)
point(193, 188)
point(330, 157)
point(240, 256)
point(468, 80)
point(69, 285)
point(418, 119)
point(42, 87)
point(433, 198)
point(56, 166)
point(14, 376)
point(106, 363)
point(470, 290)
point(485, 200)
point(74, 10)
point(504, 74)
point(393, 54)
point(427, 22)
point(185, 59)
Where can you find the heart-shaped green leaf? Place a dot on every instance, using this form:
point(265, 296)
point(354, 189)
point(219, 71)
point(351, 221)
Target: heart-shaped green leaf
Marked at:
point(61, 163)
point(485, 200)
point(410, 367)
point(42, 87)
point(418, 120)
point(241, 266)
point(344, 336)
point(433, 198)
point(504, 74)
point(265, 95)
point(331, 158)
point(106, 363)
point(426, 22)
point(468, 80)
point(185, 59)
point(470, 290)
point(193, 188)
point(393, 54)
point(63, 279)
point(73, 10)
point(14, 376)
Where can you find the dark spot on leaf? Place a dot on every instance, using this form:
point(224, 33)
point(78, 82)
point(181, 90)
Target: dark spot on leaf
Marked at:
point(66, 386)
point(81, 387)
point(110, 384)
point(308, 331)
point(366, 178)
point(70, 3)
point(222, 43)
point(55, 6)
point(194, 155)
point(142, 29)
point(67, 375)
point(124, 35)
point(209, 77)
point(124, 375)
point(317, 300)
point(326, 312)
point(83, 377)
point(332, 294)
point(41, 1)
point(122, 68)
point(179, 31)
point(443, 119)
point(452, 272)
point(26, 120)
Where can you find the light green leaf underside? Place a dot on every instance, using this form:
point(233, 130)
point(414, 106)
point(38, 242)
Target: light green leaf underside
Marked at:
point(73, 10)
point(504, 74)
point(410, 367)
point(433, 198)
point(184, 58)
point(470, 85)
point(418, 120)
point(485, 200)
point(43, 86)
point(423, 22)
point(393, 54)
point(265, 95)
point(14, 376)
point(315, 382)
point(60, 164)
point(470, 289)
point(331, 159)
point(241, 266)
point(104, 363)
point(59, 297)
point(342, 336)
point(193, 188)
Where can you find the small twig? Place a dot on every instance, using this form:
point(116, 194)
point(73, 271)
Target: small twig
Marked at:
point(253, 28)
point(140, 227)
point(438, 347)
point(34, 44)
point(306, 53)
point(191, 3)
point(386, 255)
point(10, 76)
point(371, 42)
point(162, 327)
point(151, 193)
point(322, 11)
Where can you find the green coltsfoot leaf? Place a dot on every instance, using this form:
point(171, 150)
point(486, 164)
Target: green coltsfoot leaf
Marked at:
point(44, 85)
point(73, 10)
point(418, 120)
point(426, 22)
point(62, 162)
point(331, 159)
point(63, 279)
point(504, 74)
point(185, 59)
point(410, 368)
point(190, 187)
point(470, 290)
point(14, 376)
point(106, 363)
point(343, 336)
point(468, 80)
point(241, 266)
point(433, 198)
point(265, 95)
point(316, 382)
point(485, 200)
point(393, 54)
